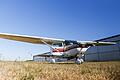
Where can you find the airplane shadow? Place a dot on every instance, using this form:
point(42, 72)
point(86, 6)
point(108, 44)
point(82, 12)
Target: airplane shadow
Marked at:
point(62, 63)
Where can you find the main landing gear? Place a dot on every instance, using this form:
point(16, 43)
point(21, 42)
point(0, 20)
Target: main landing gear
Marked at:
point(79, 61)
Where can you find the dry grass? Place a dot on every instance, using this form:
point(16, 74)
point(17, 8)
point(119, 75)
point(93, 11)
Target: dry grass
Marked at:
point(59, 71)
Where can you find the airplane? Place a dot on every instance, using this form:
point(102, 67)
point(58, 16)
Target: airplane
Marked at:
point(59, 48)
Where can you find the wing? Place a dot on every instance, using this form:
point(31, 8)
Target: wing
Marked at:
point(96, 43)
point(30, 39)
point(43, 40)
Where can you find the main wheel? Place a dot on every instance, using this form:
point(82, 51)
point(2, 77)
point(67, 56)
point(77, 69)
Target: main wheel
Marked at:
point(79, 61)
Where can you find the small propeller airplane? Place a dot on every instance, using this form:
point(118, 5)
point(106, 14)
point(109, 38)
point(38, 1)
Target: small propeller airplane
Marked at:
point(59, 48)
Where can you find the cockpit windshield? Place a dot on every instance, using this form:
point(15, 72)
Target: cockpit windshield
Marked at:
point(66, 43)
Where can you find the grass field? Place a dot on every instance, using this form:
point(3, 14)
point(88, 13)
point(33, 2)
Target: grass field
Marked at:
point(59, 71)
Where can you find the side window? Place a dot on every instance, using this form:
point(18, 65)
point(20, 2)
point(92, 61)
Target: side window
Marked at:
point(57, 44)
point(70, 42)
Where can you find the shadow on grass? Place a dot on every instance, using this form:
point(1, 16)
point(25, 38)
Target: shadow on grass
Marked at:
point(62, 63)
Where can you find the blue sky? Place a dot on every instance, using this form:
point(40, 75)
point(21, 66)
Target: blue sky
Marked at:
point(66, 19)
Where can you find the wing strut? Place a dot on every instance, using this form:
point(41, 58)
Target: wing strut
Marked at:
point(47, 44)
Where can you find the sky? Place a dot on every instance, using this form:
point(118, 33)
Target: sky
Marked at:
point(64, 19)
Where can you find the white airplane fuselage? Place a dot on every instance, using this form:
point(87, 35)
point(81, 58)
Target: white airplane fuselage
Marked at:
point(70, 53)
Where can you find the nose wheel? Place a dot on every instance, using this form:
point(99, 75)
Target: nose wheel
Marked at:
point(52, 61)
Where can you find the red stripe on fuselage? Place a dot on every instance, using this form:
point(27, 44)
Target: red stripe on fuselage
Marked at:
point(58, 50)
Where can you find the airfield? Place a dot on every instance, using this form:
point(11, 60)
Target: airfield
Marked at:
point(59, 71)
